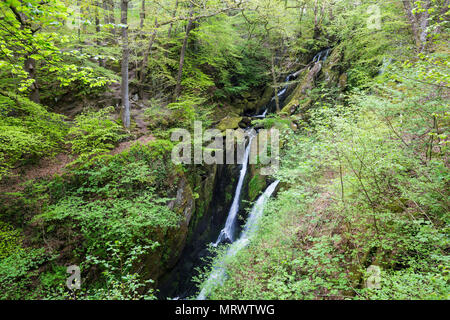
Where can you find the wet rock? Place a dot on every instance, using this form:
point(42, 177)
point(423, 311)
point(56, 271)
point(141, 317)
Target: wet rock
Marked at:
point(307, 79)
point(264, 98)
point(251, 107)
point(172, 240)
point(230, 122)
point(331, 67)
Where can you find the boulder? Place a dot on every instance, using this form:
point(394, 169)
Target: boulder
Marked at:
point(229, 122)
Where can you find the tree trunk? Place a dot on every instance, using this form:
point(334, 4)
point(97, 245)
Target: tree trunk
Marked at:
point(275, 83)
point(109, 18)
point(182, 54)
point(101, 62)
point(30, 68)
point(124, 66)
point(419, 23)
point(424, 16)
point(29, 64)
point(143, 72)
point(174, 13)
point(316, 21)
point(142, 14)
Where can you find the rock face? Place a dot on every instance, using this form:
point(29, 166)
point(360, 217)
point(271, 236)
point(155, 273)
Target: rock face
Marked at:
point(298, 98)
point(173, 240)
point(264, 99)
point(192, 208)
point(216, 186)
point(328, 71)
point(331, 68)
point(343, 81)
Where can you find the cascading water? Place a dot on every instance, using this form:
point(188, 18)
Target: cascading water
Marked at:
point(281, 97)
point(218, 274)
point(227, 233)
point(322, 55)
point(180, 280)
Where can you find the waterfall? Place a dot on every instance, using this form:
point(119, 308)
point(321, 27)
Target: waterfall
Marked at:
point(281, 97)
point(322, 55)
point(218, 274)
point(227, 232)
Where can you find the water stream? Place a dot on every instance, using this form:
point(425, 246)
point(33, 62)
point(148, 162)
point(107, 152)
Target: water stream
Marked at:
point(181, 277)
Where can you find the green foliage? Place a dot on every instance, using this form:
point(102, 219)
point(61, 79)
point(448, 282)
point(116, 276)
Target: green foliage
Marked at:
point(27, 131)
point(10, 240)
point(121, 281)
point(94, 133)
point(130, 220)
point(222, 59)
point(190, 108)
point(387, 203)
point(17, 272)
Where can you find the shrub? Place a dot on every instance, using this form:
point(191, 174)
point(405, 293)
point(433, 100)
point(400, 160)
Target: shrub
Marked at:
point(94, 133)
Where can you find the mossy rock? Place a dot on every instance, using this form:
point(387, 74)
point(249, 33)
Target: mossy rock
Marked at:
point(230, 122)
point(293, 107)
point(343, 81)
point(264, 98)
point(331, 67)
point(306, 83)
point(256, 186)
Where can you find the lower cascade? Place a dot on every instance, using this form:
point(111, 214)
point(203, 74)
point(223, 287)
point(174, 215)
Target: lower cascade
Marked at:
point(218, 274)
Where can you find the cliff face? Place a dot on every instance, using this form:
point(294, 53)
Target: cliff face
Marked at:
point(193, 208)
point(214, 187)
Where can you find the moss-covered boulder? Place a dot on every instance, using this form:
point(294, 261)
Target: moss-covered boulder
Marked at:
point(265, 98)
point(229, 122)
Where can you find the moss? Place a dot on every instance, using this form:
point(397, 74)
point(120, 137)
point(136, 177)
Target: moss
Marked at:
point(331, 66)
point(255, 186)
point(306, 83)
point(230, 122)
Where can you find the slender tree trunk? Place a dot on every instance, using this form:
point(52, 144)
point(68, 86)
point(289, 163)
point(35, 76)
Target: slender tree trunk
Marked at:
point(169, 33)
point(97, 23)
point(109, 17)
point(30, 68)
point(101, 62)
point(142, 14)
point(275, 83)
point(174, 13)
point(424, 26)
point(124, 66)
point(419, 23)
point(143, 72)
point(30, 64)
point(316, 21)
point(182, 54)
